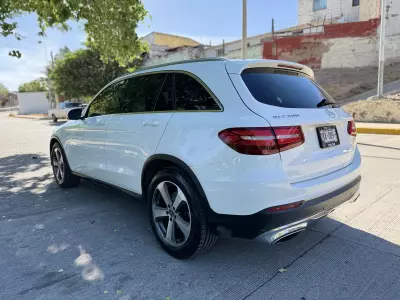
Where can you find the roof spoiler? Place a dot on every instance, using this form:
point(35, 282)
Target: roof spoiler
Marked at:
point(238, 66)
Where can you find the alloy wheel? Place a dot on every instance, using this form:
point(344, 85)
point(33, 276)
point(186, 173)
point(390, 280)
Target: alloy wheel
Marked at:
point(171, 214)
point(58, 165)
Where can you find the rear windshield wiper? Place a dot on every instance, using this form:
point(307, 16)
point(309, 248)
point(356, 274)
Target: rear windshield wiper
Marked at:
point(325, 102)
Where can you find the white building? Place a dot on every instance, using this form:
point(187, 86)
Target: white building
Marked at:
point(328, 11)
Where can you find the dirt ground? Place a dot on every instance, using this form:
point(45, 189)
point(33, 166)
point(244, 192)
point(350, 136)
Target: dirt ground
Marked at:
point(345, 83)
point(377, 111)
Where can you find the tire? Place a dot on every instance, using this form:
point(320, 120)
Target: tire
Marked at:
point(54, 118)
point(61, 171)
point(201, 237)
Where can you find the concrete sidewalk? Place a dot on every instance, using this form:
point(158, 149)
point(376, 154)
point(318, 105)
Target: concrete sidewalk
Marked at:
point(31, 116)
point(378, 128)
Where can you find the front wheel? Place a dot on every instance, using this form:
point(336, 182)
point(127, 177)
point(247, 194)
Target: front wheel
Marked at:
point(177, 215)
point(54, 118)
point(61, 171)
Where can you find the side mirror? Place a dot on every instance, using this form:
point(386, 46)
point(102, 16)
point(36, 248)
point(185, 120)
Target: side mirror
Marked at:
point(75, 114)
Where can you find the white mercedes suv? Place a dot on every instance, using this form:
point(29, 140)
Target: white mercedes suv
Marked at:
point(245, 148)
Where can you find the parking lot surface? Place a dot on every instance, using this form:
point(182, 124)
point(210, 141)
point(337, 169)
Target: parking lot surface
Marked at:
point(94, 242)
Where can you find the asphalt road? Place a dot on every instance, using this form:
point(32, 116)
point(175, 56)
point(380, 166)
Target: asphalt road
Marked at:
point(94, 242)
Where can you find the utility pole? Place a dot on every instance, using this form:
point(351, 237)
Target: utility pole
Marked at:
point(273, 27)
point(244, 30)
point(382, 34)
point(53, 94)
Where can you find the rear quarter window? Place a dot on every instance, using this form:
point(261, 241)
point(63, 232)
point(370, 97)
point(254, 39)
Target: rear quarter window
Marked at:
point(283, 88)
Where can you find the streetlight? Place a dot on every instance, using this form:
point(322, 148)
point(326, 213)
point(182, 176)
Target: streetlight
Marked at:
point(244, 30)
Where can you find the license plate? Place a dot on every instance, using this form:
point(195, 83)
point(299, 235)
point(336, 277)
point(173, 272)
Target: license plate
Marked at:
point(328, 136)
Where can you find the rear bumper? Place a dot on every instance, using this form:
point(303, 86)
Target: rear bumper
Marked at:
point(271, 227)
point(249, 184)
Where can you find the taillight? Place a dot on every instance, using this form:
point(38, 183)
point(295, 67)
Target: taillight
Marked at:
point(351, 128)
point(284, 207)
point(262, 140)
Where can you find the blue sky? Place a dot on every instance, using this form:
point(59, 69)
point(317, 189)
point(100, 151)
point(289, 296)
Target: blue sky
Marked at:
point(204, 21)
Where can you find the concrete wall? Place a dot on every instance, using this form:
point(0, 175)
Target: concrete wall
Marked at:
point(347, 45)
point(335, 10)
point(183, 54)
point(234, 49)
point(369, 9)
point(393, 22)
point(392, 49)
point(253, 52)
point(33, 103)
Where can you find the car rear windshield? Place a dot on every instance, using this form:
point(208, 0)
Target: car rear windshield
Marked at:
point(285, 88)
point(70, 105)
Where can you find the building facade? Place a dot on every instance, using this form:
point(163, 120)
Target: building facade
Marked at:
point(330, 11)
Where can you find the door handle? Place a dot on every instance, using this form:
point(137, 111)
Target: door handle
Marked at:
point(151, 123)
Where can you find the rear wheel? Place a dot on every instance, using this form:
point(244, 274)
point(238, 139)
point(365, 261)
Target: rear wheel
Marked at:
point(177, 216)
point(61, 171)
point(54, 118)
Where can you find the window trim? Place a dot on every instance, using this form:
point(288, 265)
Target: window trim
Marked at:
point(321, 8)
point(86, 110)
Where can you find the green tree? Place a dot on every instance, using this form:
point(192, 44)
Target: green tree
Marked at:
point(82, 73)
point(3, 90)
point(38, 85)
point(110, 25)
point(3, 95)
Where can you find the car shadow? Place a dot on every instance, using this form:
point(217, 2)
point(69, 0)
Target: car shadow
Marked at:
point(94, 239)
point(58, 123)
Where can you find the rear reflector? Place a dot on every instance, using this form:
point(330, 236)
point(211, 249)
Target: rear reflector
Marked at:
point(262, 140)
point(284, 207)
point(351, 128)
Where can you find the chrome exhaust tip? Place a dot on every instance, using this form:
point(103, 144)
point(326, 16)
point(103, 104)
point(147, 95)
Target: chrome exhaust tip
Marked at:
point(282, 233)
point(287, 237)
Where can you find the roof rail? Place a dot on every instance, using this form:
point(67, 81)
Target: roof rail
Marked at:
point(176, 63)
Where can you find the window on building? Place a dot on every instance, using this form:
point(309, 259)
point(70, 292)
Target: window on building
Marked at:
point(356, 2)
point(165, 98)
point(191, 95)
point(319, 4)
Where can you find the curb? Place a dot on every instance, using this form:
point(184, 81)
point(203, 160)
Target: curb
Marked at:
point(370, 130)
point(28, 117)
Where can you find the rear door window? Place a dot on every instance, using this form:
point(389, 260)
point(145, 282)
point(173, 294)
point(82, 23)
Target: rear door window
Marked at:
point(285, 88)
point(191, 95)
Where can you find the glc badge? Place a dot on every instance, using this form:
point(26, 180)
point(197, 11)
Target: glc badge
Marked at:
point(330, 113)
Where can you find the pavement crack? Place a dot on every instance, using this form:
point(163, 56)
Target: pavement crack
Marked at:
point(46, 284)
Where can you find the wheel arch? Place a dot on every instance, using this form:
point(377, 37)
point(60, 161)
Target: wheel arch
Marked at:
point(53, 140)
point(158, 162)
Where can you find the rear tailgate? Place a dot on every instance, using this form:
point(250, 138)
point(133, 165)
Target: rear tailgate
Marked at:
point(289, 97)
